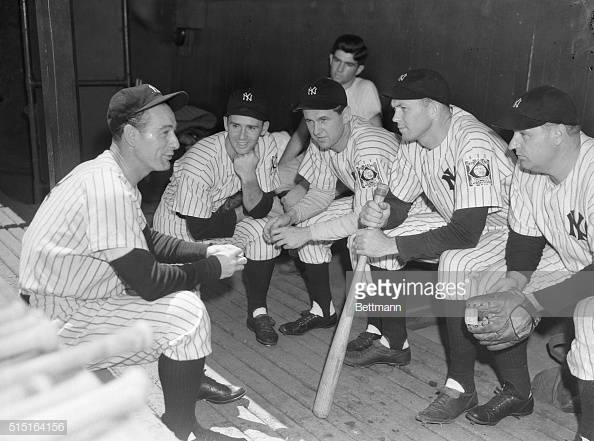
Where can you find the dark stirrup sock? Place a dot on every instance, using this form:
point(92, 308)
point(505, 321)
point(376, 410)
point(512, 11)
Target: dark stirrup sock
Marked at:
point(461, 346)
point(317, 282)
point(257, 275)
point(586, 419)
point(180, 381)
point(512, 366)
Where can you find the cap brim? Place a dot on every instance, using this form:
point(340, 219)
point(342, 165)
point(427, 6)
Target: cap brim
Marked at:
point(515, 121)
point(175, 100)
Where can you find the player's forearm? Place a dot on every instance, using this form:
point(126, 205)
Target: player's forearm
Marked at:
point(152, 280)
point(335, 229)
point(220, 224)
point(314, 202)
point(251, 192)
point(168, 249)
point(463, 231)
point(523, 253)
point(298, 142)
point(263, 207)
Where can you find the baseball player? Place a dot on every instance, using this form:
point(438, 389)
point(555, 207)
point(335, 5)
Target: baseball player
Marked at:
point(92, 264)
point(202, 200)
point(345, 148)
point(462, 167)
point(347, 60)
point(549, 253)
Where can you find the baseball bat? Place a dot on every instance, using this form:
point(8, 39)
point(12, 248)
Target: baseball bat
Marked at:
point(130, 339)
point(331, 372)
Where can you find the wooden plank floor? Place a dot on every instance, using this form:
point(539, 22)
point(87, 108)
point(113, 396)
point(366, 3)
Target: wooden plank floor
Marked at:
point(377, 403)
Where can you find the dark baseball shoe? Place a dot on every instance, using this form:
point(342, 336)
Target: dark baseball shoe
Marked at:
point(307, 322)
point(506, 402)
point(377, 353)
point(263, 327)
point(363, 341)
point(217, 393)
point(448, 406)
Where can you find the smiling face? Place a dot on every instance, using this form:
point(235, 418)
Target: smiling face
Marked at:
point(534, 148)
point(326, 127)
point(344, 68)
point(243, 132)
point(412, 117)
point(155, 139)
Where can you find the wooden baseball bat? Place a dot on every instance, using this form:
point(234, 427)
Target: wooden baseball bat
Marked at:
point(331, 372)
point(130, 339)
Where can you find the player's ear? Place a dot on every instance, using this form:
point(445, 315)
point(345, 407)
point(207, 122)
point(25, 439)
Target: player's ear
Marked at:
point(346, 114)
point(265, 127)
point(330, 56)
point(130, 134)
point(360, 69)
point(225, 123)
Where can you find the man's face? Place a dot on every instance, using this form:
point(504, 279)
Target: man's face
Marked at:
point(412, 117)
point(243, 132)
point(534, 148)
point(344, 68)
point(157, 141)
point(326, 127)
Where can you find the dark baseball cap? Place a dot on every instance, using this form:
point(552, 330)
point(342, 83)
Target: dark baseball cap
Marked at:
point(132, 100)
point(417, 84)
point(321, 94)
point(539, 106)
point(248, 102)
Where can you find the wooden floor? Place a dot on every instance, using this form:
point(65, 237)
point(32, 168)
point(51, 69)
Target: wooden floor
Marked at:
point(377, 403)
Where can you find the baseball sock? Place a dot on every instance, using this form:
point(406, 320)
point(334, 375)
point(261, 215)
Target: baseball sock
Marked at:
point(257, 275)
point(180, 381)
point(586, 426)
point(461, 348)
point(317, 282)
point(512, 366)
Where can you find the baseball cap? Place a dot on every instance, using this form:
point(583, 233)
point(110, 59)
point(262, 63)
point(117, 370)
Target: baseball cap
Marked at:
point(539, 106)
point(132, 100)
point(321, 94)
point(248, 102)
point(420, 83)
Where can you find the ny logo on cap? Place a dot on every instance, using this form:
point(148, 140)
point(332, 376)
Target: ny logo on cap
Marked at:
point(312, 90)
point(517, 103)
point(247, 96)
point(402, 77)
point(154, 89)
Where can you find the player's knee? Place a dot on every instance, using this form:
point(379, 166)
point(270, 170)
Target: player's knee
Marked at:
point(188, 306)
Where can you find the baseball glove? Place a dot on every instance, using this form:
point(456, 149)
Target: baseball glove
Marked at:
point(502, 319)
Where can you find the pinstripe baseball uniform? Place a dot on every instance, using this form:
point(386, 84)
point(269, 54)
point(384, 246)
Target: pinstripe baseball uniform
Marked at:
point(470, 168)
point(64, 268)
point(562, 214)
point(203, 179)
point(364, 162)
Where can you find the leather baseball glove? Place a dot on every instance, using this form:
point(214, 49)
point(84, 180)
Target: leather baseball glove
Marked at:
point(500, 320)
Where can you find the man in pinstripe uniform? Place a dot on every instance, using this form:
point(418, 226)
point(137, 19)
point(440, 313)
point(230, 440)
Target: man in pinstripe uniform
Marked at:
point(90, 261)
point(342, 148)
point(462, 167)
point(549, 255)
point(223, 189)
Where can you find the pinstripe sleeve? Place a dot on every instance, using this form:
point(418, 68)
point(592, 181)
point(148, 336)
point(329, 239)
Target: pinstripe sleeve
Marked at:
point(267, 168)
point(316, 171)
point(193, 196)
point(520, 216)
point(372, 165)
point(404, 182)
point(115, 219)
point(478, 171)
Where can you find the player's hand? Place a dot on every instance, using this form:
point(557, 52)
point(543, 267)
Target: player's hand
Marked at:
point(230, 257)
point(374, 243)
point(291, 237)
point(245, 165)
point(374, 215)
point(273, 224)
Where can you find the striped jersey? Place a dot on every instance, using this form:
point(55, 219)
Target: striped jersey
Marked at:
point(563, 212)
point(204, 177)
point(470, 168)
point(93, 209)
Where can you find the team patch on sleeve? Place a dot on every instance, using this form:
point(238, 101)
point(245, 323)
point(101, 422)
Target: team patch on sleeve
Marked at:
point(368, 174)
point(478, 171)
